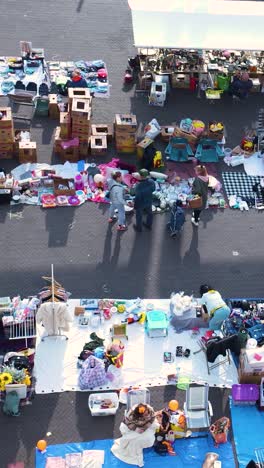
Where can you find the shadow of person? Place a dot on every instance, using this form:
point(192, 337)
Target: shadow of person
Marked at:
point(191, 258)
point(58, 223)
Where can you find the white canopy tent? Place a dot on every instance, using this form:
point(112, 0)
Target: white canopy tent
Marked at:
point(198, 24)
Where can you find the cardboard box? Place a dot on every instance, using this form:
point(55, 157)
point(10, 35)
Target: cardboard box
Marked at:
point(66, 190)
point(7, 135)
point(125, 140)
point(126, 122)
point(249, 378)
point(65, 125)
point(80, 107)
point(6, 121)
point(102, 129)
point(98, 145)
point(126, 149)
point(54, 111)
point(79, 310)
point(27, 151)
point(142, 145)
point(166, 133)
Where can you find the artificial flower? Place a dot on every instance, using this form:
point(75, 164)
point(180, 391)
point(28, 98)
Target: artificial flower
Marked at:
point(27, 381)
point(6, 378)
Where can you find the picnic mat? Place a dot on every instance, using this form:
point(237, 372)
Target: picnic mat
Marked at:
point(239, 184)
point(190, 453)
point(248, 428)
point(186, 170)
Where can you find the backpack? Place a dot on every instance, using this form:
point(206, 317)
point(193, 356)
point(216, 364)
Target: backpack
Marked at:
point(11, 404)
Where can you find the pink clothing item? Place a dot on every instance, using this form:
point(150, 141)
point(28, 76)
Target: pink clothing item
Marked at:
point(203, 178)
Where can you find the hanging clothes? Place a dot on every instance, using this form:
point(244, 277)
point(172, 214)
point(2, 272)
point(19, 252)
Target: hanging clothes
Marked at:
point(54, 316)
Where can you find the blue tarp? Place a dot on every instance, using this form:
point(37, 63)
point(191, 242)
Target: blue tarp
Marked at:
point(190, 453)
point(248, 429)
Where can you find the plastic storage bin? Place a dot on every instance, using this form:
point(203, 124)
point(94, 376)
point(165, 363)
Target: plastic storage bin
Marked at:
point(95, 401)
point(137, 397)
point(245, 394)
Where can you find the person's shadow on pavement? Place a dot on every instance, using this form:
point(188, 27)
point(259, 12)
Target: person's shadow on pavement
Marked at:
point(191, 258)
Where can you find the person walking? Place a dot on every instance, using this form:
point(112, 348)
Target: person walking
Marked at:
point(200, 188)
point(143, 200)
point(117, 199)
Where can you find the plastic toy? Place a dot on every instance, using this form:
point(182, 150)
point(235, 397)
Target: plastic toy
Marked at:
point(156, 324)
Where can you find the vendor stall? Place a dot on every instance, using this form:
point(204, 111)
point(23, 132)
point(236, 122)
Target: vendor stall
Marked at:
point(207, 52)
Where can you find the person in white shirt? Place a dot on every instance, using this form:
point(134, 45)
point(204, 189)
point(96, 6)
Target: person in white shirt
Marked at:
point(214, 307)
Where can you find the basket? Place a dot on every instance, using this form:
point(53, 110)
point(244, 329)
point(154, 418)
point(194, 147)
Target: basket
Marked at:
point(95, 400)
point(219, 430)
point(196, 203)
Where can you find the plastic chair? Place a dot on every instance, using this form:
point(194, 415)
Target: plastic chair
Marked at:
point(178, 149)
point(42, 106)
point(43, 89)
point(32, 87)
point(209, 151)
point(20, 85)
point(197, 408)
point(136, 397)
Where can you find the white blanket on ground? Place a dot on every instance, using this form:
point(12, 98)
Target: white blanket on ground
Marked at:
point(56, 359)
point(129, 448)
point(254, 166)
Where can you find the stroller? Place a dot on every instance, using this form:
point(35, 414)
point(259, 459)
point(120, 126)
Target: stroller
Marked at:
point(177, 219)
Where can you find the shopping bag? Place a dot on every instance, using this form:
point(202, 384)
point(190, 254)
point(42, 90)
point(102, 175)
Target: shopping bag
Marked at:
point(92, 373)
point(196, 202)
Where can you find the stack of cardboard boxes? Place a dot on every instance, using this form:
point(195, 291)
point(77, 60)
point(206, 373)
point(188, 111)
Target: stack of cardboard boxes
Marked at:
point(7, 135)
point(76, 123)
point(125, 129)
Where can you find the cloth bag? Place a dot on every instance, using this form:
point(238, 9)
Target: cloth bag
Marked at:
point(92, 373)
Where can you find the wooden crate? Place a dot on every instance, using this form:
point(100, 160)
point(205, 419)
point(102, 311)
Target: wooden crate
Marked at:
point(65, 125)
point(98, 145)
point(7, 150)
point(165, 135)
point(80, 93)
point(102, 129)
point(81, 107)
point(126, 140)
point(142, 145)
point(81, 121)
point(83, 148)
point(27, 152)
point(6, 155)
point(126, 122)
point(6, 121)
point(54, 111)
point(126, 149)
point(7, 135)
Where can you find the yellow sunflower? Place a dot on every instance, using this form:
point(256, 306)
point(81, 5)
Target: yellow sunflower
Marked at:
point(2, 386)
point(6, 378)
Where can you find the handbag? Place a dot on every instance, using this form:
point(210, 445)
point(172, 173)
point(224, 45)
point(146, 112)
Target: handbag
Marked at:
point(92, 374)
point(196, 202)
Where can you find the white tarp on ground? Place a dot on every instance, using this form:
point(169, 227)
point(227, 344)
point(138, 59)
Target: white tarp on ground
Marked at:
point(56, 359)
point(254, 166)
point(198, 24)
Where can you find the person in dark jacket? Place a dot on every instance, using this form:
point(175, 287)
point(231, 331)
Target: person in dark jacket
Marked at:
point(77, 80)
point(200, 187)
point(177, 219)
point(143, 200)
point(241, 85)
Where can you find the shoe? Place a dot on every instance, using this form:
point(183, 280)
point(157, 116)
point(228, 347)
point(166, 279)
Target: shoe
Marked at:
point(179, 351)
point(195, 223)
point(136, 228)
point(121, 227)
point(147, 226)
point(187, 353)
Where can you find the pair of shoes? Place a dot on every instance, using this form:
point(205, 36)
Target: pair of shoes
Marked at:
point(121, 227)
point(180, 352)
point(136, 228)
point(147, 226)
point(195, 223)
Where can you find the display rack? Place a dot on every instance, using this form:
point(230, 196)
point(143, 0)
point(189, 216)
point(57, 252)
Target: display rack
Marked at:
point(25, 329)
point(53, 303)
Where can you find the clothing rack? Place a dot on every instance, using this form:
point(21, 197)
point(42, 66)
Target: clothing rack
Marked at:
point(53, 303)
